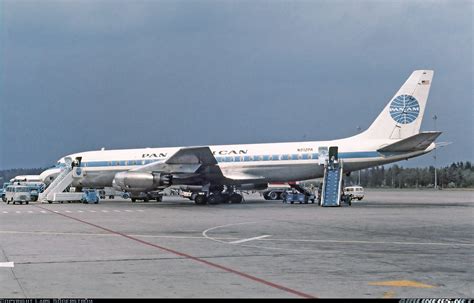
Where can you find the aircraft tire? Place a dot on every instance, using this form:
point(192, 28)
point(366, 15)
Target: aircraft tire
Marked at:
point(200, 200)
point(235, 198)
point(273, 195)
point(213, 199)
point(225, 198)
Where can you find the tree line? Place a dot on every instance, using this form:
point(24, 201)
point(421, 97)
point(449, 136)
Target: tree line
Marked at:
point(6, 175)
point(456, 175)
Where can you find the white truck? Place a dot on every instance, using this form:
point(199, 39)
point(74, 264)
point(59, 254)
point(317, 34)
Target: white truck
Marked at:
point(354, 192)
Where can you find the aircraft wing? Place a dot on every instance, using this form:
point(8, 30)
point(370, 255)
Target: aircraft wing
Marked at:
point(414, 143)
point(193, 155)
point(195, 162)
point(185, 160)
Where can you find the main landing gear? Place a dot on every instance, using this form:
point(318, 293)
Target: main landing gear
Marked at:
point(218, 196)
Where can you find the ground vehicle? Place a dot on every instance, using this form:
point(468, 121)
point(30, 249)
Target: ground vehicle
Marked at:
point(4, 190)
point(187, 194)
point(292, 196)
point(147, 196)
point(355, 192)
point(111, 193)
point(90, 196)
point(18, 193)
point(35, 190)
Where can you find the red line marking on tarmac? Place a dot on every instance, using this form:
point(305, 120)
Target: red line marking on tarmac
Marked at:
point(239, 273)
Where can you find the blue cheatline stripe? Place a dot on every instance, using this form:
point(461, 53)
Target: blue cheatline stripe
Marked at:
point(366, 154)
point(282, 157)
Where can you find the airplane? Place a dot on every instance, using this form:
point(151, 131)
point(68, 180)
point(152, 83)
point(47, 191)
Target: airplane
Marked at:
point(217, 172)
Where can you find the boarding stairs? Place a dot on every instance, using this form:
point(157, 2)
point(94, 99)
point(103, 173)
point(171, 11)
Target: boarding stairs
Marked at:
point(332, 182)
point(62, 181)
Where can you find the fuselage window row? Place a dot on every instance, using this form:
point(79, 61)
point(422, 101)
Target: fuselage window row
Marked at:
point(284, 157)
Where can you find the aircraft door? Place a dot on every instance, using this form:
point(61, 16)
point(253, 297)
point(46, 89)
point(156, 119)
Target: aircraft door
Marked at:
point(77, 162)
point(323, 155)
point(333, 152)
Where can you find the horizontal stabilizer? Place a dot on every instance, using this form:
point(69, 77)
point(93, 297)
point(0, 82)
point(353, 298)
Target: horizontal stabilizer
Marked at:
point(414, 143)
point(193, 155)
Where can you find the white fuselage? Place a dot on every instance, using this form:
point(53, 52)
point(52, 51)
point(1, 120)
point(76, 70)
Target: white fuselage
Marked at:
point(272, 162)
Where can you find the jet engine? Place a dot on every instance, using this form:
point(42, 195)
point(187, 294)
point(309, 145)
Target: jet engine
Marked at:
point(141, 181)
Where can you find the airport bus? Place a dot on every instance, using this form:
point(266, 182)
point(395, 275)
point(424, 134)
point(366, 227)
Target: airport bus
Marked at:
point(18, 194)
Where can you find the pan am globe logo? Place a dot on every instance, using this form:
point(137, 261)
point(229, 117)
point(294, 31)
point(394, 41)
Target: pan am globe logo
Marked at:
point(404, 109)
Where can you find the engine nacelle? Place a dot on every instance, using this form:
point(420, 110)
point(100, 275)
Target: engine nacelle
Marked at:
point(140, 181)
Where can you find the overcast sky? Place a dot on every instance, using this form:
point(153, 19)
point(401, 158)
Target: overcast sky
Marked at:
point(81, 75)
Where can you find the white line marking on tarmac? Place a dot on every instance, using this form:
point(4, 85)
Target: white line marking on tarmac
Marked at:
point(80, 211)
point(18, 212)
point(30, 211)
point(92, 211)
point(68, 211)
point(128, 210)
point(105, 211)
point(204, 233)
point(5, 212)
point(43, 211)
point(249, 239)
point(370, 242)
point(7, 264)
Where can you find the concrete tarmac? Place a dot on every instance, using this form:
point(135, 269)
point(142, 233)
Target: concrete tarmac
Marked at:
point(415, 243)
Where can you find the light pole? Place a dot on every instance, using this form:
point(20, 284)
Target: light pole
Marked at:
point(358, 131)
point(435, 173)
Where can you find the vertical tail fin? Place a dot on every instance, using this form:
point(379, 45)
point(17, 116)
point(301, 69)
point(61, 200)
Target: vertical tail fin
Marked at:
point(402, 116)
